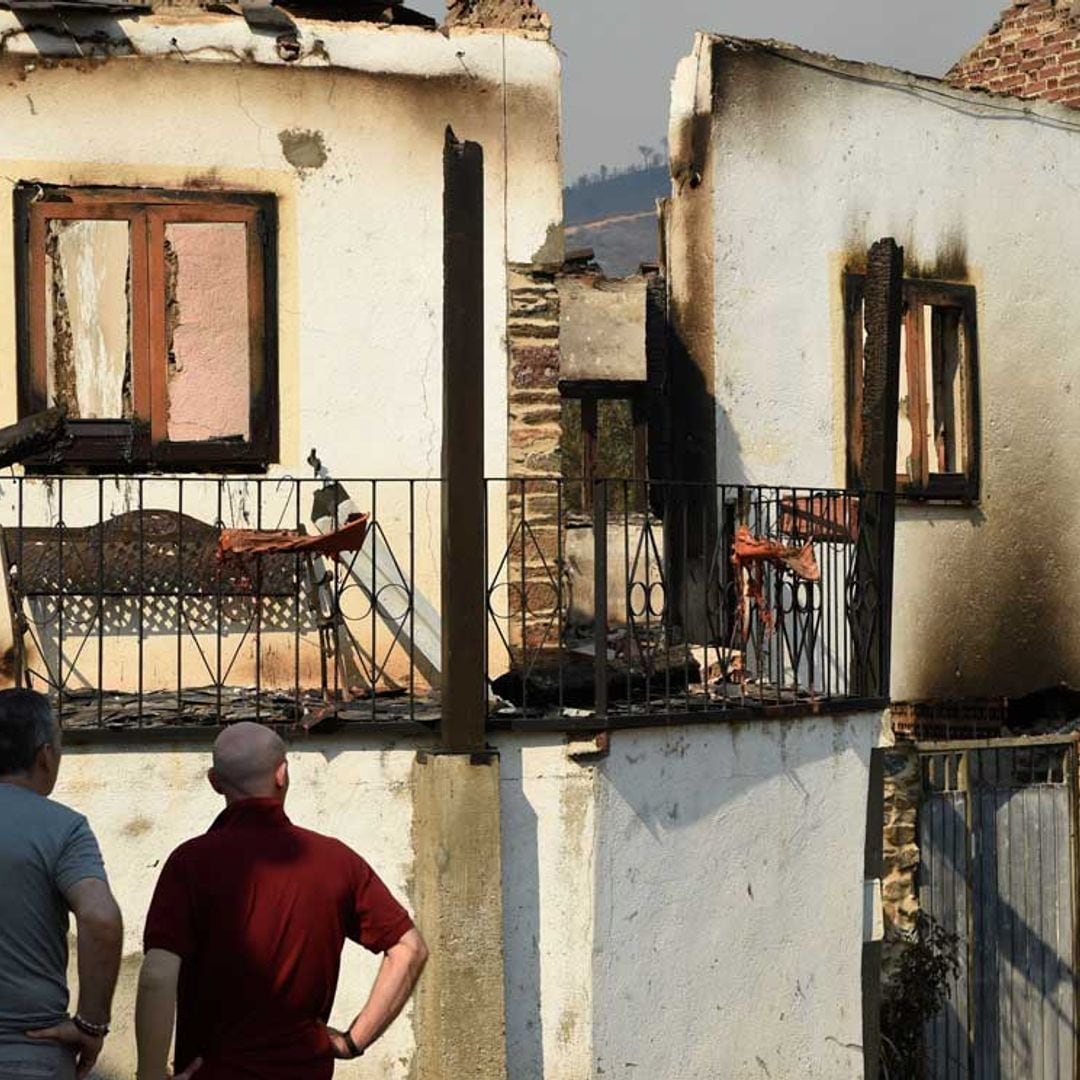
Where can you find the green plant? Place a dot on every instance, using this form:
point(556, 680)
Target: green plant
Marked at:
point(929, 964)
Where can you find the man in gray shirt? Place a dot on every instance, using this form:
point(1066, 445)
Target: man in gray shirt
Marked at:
point(50, 864)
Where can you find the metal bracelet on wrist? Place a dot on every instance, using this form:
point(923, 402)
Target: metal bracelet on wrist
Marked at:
point(349, 1042)
point(95, 1031)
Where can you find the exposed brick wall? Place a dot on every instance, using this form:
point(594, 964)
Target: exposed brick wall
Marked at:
point(1033, 51)
point(535, 432)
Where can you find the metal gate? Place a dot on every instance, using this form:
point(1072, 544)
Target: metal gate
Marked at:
point(997, 833)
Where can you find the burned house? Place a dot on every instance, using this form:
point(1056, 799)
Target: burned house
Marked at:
point(787, 165)
point(347, 445)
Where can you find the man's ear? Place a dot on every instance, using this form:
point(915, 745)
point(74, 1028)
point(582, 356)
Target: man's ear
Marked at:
point(212, 777)
point(281, 776)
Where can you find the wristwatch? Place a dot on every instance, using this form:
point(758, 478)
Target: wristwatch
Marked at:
point(95, 1031)
point(350, 1043)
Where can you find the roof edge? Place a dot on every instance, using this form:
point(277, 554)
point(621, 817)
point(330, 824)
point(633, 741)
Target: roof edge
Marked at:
point(890, 77)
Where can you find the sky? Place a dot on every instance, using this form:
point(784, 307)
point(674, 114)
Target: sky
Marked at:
point(619, 55)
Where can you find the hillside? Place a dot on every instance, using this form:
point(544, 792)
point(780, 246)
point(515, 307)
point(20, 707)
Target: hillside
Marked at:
point(615, 215)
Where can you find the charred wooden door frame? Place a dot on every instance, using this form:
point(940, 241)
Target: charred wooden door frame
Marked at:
point(118, 444)
point(464, 563)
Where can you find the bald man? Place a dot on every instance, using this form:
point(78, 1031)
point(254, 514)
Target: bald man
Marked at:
point(244, 935)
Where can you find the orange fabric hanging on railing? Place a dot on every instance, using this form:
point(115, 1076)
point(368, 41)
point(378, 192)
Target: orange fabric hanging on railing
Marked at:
point(750, 552)
point(350, 537)
point(801, 561)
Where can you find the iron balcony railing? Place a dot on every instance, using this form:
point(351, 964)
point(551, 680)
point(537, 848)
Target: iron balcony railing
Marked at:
point(670, 599)
point(164, 602)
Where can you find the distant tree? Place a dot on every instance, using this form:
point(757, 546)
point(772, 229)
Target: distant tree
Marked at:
point(647, 154)
point(603, 172)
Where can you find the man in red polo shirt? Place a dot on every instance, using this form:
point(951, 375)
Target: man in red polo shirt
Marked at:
point(244, 935)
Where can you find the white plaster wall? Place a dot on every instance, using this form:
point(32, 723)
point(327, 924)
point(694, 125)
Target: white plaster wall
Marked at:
point(548, 805)
point(690, 904)
point(809, 167)
point(729, 909)
point(143, 801)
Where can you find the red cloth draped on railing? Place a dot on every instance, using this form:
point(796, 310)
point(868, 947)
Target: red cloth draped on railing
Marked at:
point(350, 537)
point(750, 553)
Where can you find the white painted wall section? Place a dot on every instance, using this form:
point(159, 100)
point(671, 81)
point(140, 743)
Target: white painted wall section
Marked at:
point(729, 910)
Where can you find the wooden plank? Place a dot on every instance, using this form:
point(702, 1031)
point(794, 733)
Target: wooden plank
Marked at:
point(918, 472)
point(157, 378)
point(464, 511)
point(1048, 930)
point(141, 382)
point(988, 1034)
point(1005, 997)
point(38, 396)
point(982, 939)
point(961, 872)
point(954, 920)
point(988, 769)
point(1064, 1000)
point(1034, 939)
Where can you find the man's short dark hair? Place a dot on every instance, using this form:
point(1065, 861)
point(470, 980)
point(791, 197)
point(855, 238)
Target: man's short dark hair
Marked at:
point(26, 725)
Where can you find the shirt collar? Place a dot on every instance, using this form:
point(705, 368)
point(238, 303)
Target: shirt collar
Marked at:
point(252, 813)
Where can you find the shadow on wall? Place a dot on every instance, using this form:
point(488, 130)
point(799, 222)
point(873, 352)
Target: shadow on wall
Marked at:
point(985, 601)
point(521, 921)
point(682, 784)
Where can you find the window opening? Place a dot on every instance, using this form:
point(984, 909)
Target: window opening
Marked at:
point(937, 431)
point(149, 316)
point(604, 437)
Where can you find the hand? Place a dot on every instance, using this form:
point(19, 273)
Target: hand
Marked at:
point(339, 1045)
point(86, 1048)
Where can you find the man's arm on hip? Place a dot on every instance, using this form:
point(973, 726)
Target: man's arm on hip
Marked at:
point(99, 930)
point(400, 968)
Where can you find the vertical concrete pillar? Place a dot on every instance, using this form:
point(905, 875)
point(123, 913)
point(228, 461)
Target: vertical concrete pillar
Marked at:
point(460, 1007)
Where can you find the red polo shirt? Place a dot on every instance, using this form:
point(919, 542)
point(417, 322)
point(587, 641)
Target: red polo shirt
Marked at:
point(258, 911)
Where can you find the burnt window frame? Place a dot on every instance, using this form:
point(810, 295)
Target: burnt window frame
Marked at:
point(590, 392)
point(122, 445)
point(918, 293)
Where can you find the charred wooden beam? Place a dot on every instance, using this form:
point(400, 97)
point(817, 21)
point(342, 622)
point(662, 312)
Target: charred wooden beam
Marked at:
point(34, 435)
point(871, 598)
point(464, 578)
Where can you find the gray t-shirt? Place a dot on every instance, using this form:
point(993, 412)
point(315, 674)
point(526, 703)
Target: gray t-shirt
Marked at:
point(45, 849)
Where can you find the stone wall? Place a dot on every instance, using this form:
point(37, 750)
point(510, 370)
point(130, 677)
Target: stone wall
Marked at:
point(1032, 51)
point(534, 435)
point(900, 898)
